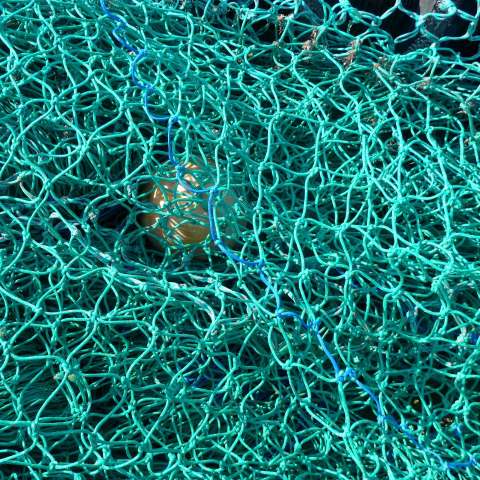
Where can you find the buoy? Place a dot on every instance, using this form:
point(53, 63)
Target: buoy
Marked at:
point(185, 220)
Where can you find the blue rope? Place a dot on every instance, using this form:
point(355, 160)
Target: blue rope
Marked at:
point(341, 375)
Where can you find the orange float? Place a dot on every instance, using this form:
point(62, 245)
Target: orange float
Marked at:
point(186, 212)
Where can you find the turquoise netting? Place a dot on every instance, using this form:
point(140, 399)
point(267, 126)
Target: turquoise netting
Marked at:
point(327, 326)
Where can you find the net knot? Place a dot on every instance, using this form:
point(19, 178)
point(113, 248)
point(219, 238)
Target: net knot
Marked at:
point(181, 170)
point(343, 375)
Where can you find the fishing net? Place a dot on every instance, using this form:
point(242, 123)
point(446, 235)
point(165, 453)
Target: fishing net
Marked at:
point(328, 324)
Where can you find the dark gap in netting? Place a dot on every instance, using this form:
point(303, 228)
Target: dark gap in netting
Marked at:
point(118, 451)
point(67, 23)
point(471, 388)
point(264, 29)
point(159, 152)
point(61, 443)
point(85, 97)
point(396, 23)
point(19, 472)
point(467, 294)
point(113, 216)
point(123, 329)
point(90, 296)
point(435, 391)
point(206, 378)
point(440, 359)
point(359, 409)
point(137, 339)
point(230, 282)
point(288, 304)
point(6, 50)
point(424, 323)
point(51, 304)
point(141, 378)
point(263, 236)
point(262, 60)
point(35, 395)
point(36, 232)
point(117, 65)
point(455, 26)
point(158, 461)
point(154, 255)
point(82, 55)
point(105, 124)
point(28, 339)
point(266, 394)
point(36, 68)
point(104, 403)
point(367, 305)
point(249, 354)
point(59, 229)
point(468, 248)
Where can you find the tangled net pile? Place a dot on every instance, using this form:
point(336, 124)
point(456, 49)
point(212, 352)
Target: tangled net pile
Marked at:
point(337, 335)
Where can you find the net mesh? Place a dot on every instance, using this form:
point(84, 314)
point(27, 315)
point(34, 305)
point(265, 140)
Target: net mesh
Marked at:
point(328, 325)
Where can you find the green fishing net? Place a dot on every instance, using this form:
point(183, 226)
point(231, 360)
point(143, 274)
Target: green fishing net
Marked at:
point(327, 328)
